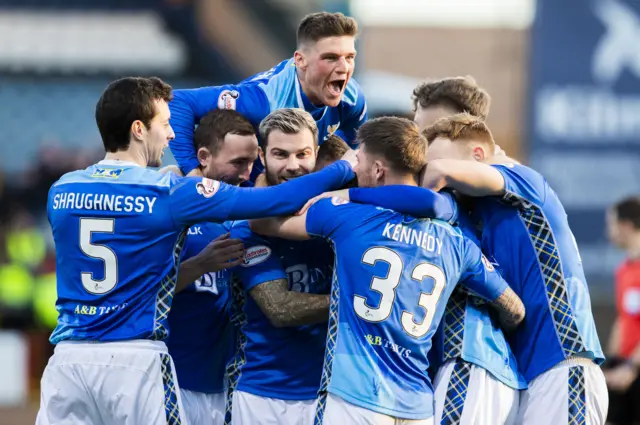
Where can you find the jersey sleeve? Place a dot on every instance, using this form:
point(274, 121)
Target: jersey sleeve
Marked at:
point(355, 114)
point(189, 106)
point(411, 200)
point(195, 199)
point(479, 275)
point(523, 183)
point(261, 264)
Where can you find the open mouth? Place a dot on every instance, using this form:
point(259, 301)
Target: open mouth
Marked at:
point(336, 86)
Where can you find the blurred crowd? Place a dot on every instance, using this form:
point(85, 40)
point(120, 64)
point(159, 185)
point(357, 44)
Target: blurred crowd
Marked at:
point(27, 260)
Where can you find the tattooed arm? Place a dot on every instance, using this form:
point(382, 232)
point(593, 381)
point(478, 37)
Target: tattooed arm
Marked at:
point(289, 308)
point(510, 310)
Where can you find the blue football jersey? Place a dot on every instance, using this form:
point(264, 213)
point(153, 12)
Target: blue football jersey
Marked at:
point(468, 331)
point(202, 336)
point(119, 230)
point(255, 98)
point(527, 234)
point(285, 362)
point(394, 275)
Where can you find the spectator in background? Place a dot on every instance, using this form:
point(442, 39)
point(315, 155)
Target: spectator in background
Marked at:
point(623, 367)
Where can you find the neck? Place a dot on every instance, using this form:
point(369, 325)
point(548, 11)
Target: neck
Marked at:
point(407, 180)
point(633, 250)
point(306, 90)
point(128, 155)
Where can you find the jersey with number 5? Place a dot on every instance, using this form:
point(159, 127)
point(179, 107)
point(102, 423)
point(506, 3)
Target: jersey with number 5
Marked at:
point(394, 275)
point(119, 230)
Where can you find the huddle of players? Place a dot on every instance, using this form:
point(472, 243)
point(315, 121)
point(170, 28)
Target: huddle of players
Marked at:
point(383, 299)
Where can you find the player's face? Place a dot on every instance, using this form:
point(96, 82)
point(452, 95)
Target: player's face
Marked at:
point(327, 67)
point(233, 162)
point(425, 117)
point(157, 136)
point(288, 156)
point(369, 170)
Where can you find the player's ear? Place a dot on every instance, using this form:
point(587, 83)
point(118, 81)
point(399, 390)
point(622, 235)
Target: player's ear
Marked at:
point(378, 170)
point(300, 60)
point(261, 155)
point(203, 155)
point(138, 130)
point(479, 154)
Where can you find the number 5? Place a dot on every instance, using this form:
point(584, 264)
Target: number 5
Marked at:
point(88, 226)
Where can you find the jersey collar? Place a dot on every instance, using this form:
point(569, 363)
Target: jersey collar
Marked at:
point(317, 112)
point(117, 163)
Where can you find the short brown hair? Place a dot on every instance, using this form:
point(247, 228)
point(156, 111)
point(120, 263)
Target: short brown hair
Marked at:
point(397, 140)
point(216, 125)
point(124, 101)
point(463, 127)
point(461, 94)
point(332, 149)
point(319, 25)
point(289, 121)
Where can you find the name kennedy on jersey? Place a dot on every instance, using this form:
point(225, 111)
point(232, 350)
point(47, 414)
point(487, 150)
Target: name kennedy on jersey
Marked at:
point(104, 202)
point(405, 234)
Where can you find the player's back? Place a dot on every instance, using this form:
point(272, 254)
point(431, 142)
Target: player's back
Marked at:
point(394, 275)
point(528, 235)
point(117, 248)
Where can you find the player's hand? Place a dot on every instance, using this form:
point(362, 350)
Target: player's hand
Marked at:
point(261, 180)
point(351, 157)
point(196, 172)
point(171, 169)
point(431, 176)
point(221, 253)
point(342, 194)
point(621, 377)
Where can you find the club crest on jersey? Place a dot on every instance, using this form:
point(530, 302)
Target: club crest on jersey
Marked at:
point(256, 255)
point(107, 173)
point(207, 187)
point(227, 99)
point(487, 264)
point(338, 201)
point(332, 129)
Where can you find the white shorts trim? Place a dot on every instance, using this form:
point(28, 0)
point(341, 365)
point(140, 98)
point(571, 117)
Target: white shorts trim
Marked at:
point(466, 394)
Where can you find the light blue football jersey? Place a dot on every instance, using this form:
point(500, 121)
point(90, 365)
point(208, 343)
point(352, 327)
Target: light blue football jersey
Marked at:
point(468, 331)
point(119, 230)
point(281, 362)
point(394, 276)
point(255, 98)
point(527, 234)
point(202, 336)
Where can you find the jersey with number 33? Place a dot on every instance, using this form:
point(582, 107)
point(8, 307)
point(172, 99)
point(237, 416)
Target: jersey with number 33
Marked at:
point(394, 275)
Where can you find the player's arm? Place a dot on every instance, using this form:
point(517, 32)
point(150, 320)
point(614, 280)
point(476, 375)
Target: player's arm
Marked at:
point(613, 348)
point(264, 278)
point(468, 177)
point(411, 200)
point(193, 199)
point(189, 106)
point(289, 308)
point(323, 219)
point(356, 113)
point(478, 179)
point(482, 279)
